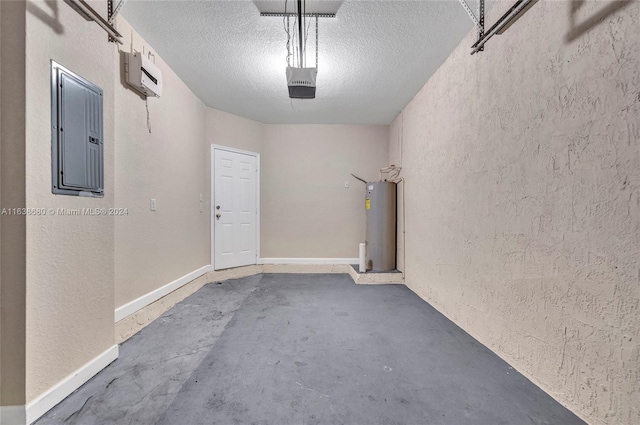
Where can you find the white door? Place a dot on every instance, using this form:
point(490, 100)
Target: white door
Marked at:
point(235, 209)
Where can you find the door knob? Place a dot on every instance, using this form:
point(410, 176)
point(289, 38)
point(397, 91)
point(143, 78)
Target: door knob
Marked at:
point(218, 216)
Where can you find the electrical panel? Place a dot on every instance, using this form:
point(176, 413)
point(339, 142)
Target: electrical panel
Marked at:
point(76, 135)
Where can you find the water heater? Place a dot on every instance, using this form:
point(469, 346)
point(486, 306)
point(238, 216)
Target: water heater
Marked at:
point(380, 206)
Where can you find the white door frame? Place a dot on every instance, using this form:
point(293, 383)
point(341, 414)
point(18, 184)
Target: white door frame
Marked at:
point(212, 195)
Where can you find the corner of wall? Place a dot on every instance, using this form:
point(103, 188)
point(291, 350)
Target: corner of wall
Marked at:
point(168, 163)
point(233, 131)
point(13, 200)
point(69, 257)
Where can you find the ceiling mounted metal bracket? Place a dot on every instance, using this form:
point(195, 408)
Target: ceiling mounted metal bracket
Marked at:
point(479, 20)
point(89, 13)
point(113, 13)
point(517, 10)
point(468, 9)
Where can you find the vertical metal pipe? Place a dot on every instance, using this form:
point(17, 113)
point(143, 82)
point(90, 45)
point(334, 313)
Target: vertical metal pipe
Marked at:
point(300, 32)
point(481, 21)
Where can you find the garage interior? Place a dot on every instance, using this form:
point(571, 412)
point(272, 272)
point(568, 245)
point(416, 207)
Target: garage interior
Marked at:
point(516, 282)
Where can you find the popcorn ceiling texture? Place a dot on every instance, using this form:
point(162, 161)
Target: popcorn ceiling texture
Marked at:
point(523, 201)
point(236, 59)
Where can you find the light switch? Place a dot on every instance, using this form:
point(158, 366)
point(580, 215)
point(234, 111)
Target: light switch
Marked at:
point(346, 185)
point(201, 203)
point(154, 205)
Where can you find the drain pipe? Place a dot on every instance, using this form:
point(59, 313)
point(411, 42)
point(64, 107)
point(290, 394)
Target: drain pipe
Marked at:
point(362, 258)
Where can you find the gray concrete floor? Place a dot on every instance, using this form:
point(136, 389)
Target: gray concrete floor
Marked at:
point(306, 349)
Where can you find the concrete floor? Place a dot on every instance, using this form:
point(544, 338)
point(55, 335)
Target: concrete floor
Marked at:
point(306, 349)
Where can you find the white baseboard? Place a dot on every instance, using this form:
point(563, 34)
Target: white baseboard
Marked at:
point(308, 261)
point(54, 395)
point(148, 298)
point(12, 415)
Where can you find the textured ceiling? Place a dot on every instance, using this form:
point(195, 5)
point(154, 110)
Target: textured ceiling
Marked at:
point(373, 57)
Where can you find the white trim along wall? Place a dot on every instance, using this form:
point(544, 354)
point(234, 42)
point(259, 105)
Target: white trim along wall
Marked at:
point(308, 261)
point(153, 296)
point(21, 415)
point(150, 297)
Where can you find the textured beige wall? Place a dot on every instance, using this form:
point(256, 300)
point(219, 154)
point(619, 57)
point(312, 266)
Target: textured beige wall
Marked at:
point(170, 164)
point(233, 131)
point(12, 195)
point(523, 180)
point(305, 210)
point(69, 258)
point(395, 157)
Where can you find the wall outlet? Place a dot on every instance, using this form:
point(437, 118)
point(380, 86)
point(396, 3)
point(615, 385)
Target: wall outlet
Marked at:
point(153, 206)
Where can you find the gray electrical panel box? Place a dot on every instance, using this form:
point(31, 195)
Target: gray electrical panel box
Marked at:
point(380, 205)
point(77, 155)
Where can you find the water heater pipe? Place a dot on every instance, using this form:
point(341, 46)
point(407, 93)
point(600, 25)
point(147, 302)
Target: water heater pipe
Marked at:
point(363, 258)
point(362, 180)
